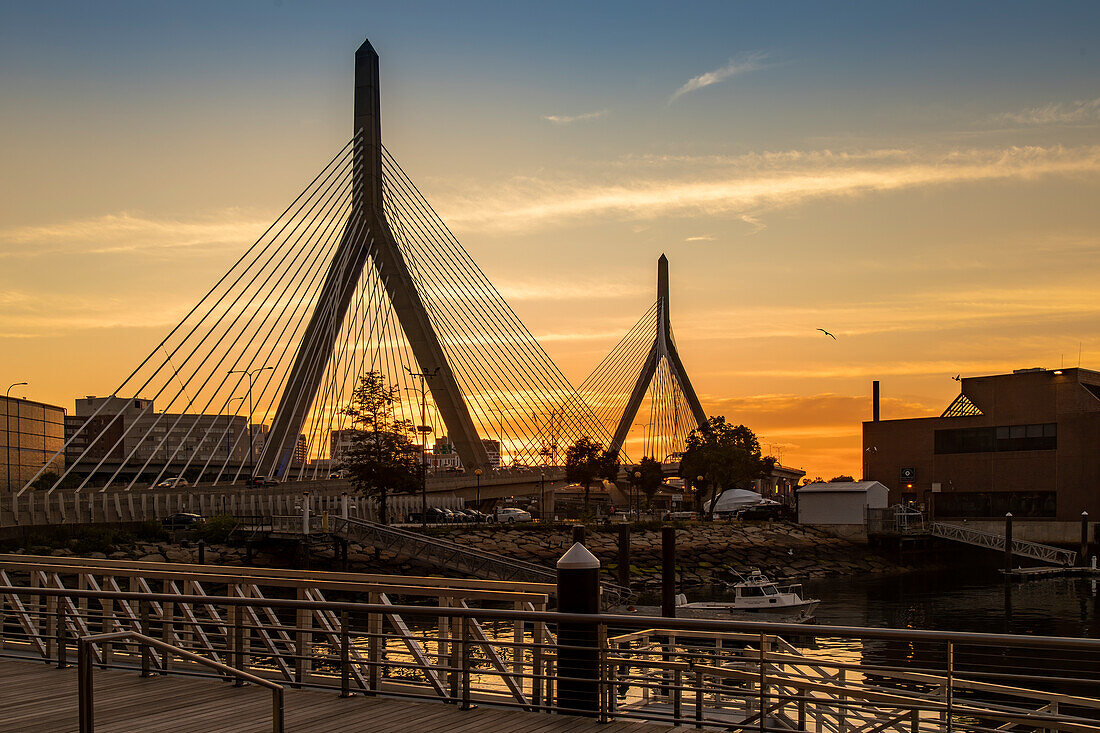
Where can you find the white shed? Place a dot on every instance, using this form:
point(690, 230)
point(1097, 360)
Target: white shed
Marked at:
point(841, 504)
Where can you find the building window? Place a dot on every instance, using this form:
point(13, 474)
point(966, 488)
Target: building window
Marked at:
point(1042, 436)
point(995, 504)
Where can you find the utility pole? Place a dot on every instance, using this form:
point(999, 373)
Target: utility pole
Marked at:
point(423, 428)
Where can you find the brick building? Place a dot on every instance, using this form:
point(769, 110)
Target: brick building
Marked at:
point(1026, 443)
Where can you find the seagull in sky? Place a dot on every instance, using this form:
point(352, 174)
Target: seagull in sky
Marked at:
point(827, 333)
point(957, 377)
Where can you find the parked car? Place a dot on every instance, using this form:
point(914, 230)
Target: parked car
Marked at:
point(435, 516)
point(510, 515)
point(261, 481)
point(181, 520)
point(766, 509)
point(173, 483)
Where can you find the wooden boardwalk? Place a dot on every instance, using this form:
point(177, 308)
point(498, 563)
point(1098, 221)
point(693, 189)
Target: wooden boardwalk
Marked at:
point(39, 698)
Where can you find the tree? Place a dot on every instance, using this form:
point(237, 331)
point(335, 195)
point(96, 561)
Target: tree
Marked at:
point(609, 466)
point(584, 462)
point(725, 456)
point(841, 479)
point(383, 458)
point(651, 479)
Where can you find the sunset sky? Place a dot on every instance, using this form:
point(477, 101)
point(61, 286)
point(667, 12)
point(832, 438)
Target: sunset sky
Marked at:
point(922, 180)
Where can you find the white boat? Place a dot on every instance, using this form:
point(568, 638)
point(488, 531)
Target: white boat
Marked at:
point(756, 594)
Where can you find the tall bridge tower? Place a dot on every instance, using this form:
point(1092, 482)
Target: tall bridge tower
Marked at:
point(367, 235)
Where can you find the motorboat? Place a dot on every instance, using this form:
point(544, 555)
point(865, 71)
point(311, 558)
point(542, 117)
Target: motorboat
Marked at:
point(755, 593)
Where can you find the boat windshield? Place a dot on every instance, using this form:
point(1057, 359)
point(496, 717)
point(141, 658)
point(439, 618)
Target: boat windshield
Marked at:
point(770, 590)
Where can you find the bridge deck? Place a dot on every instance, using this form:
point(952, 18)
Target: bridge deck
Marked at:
point(38, 698)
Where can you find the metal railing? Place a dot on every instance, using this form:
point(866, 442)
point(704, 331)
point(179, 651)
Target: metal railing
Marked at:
point(469, 649)
point(1023, 548)
point(456, 557)
point(85, 648)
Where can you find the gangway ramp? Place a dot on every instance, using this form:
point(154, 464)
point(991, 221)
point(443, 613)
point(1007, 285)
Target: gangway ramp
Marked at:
point(456, 557)
point(1023, 548)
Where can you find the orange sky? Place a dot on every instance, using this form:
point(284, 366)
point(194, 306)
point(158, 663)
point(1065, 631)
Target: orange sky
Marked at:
point(925, 190)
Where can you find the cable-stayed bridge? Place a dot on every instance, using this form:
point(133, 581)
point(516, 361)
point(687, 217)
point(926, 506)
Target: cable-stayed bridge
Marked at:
point(360, 275)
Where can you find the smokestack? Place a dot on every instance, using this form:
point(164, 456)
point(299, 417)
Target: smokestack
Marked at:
point(874, 400)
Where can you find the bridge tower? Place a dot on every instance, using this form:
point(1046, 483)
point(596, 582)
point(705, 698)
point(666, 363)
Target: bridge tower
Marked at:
point(367, 235)
point(663, 348)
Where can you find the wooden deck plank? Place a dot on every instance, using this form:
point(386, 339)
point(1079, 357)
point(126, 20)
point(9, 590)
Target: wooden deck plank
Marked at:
point(38, 698)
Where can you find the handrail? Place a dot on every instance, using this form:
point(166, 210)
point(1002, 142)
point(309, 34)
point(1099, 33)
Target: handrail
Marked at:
point(85, 667)
point(654, 623)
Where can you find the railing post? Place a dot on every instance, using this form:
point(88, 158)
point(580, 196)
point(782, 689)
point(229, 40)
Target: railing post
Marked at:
point(1008, 542)
point(624, 555)
point(84, 686)
point(202, 552)
point(466, 704)
point(763, 681)
point(374, 648)
point(1083, 561)
point(62, 661)
point(277, 710)
point(699, 700)
point(345, 661)
point(578, 651)
point(950, 681)
point(668, 572)
point(146, 653)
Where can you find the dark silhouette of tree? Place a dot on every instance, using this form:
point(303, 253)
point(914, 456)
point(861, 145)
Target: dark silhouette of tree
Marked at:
point(609, 466)
point(584, 462)
point(726, 456)
point(652, 478)
point(383, 458)
point(840, 479)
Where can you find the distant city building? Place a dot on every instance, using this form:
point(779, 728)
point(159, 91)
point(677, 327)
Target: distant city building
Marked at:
point(443, 454)
point(1024, 443)
point(131, 434)
point(33, 433)
point(780, 484)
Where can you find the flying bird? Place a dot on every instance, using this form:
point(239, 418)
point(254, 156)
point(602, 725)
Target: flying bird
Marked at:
point(827, 333)
point(957, 377)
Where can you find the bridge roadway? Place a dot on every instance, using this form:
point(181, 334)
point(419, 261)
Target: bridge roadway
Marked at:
point(37, 698)
point(92, 506)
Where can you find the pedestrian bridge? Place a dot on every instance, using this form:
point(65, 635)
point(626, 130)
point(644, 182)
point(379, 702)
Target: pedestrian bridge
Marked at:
point(343, 648)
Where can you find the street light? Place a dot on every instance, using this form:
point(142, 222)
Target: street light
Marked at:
point(7, 428)
point(634, 492)
point(698, 487)
point(477, 473)
point(251, 373)
point(542, 496)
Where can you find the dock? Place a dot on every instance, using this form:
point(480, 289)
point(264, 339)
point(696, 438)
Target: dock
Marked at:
point(36, 698)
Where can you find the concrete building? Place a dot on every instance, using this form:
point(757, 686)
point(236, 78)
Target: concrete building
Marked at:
point(780, 484)
point(130, 433)
point(842, 506)
point(1024, 443)
point(444, 455)
point(33, 433)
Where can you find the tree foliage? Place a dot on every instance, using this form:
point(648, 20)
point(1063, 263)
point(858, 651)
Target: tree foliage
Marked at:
point(383, 458)
point(585, 461)
point(651, 478)
point(841, 479)
point(726, 456)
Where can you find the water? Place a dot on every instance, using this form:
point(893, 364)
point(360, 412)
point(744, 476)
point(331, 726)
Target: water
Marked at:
point(970, 599)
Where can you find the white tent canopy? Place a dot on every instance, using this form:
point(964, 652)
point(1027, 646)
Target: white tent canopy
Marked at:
point(731, 500)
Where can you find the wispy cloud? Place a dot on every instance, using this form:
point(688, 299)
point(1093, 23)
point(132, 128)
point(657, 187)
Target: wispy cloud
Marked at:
point(1057, 113)
point(747, 187)
point(128, 233)
point(746, 63)
point(556, 289)
point(570, 119)
point(700, 238)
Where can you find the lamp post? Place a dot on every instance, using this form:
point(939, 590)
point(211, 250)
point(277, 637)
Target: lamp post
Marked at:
point(7, 428)
point(698, 487)
point(251, 373)
point(542, 496)
point(423, 428)
point(634, 493)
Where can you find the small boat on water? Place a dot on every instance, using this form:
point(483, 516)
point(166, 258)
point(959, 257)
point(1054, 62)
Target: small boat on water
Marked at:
point(753, 595)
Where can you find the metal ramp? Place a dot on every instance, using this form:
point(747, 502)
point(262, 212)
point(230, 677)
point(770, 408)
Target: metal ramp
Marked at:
point(456, 557)
point(1023, 548)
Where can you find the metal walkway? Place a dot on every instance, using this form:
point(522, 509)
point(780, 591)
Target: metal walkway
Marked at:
point(1023, 548)
point(454, 557)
